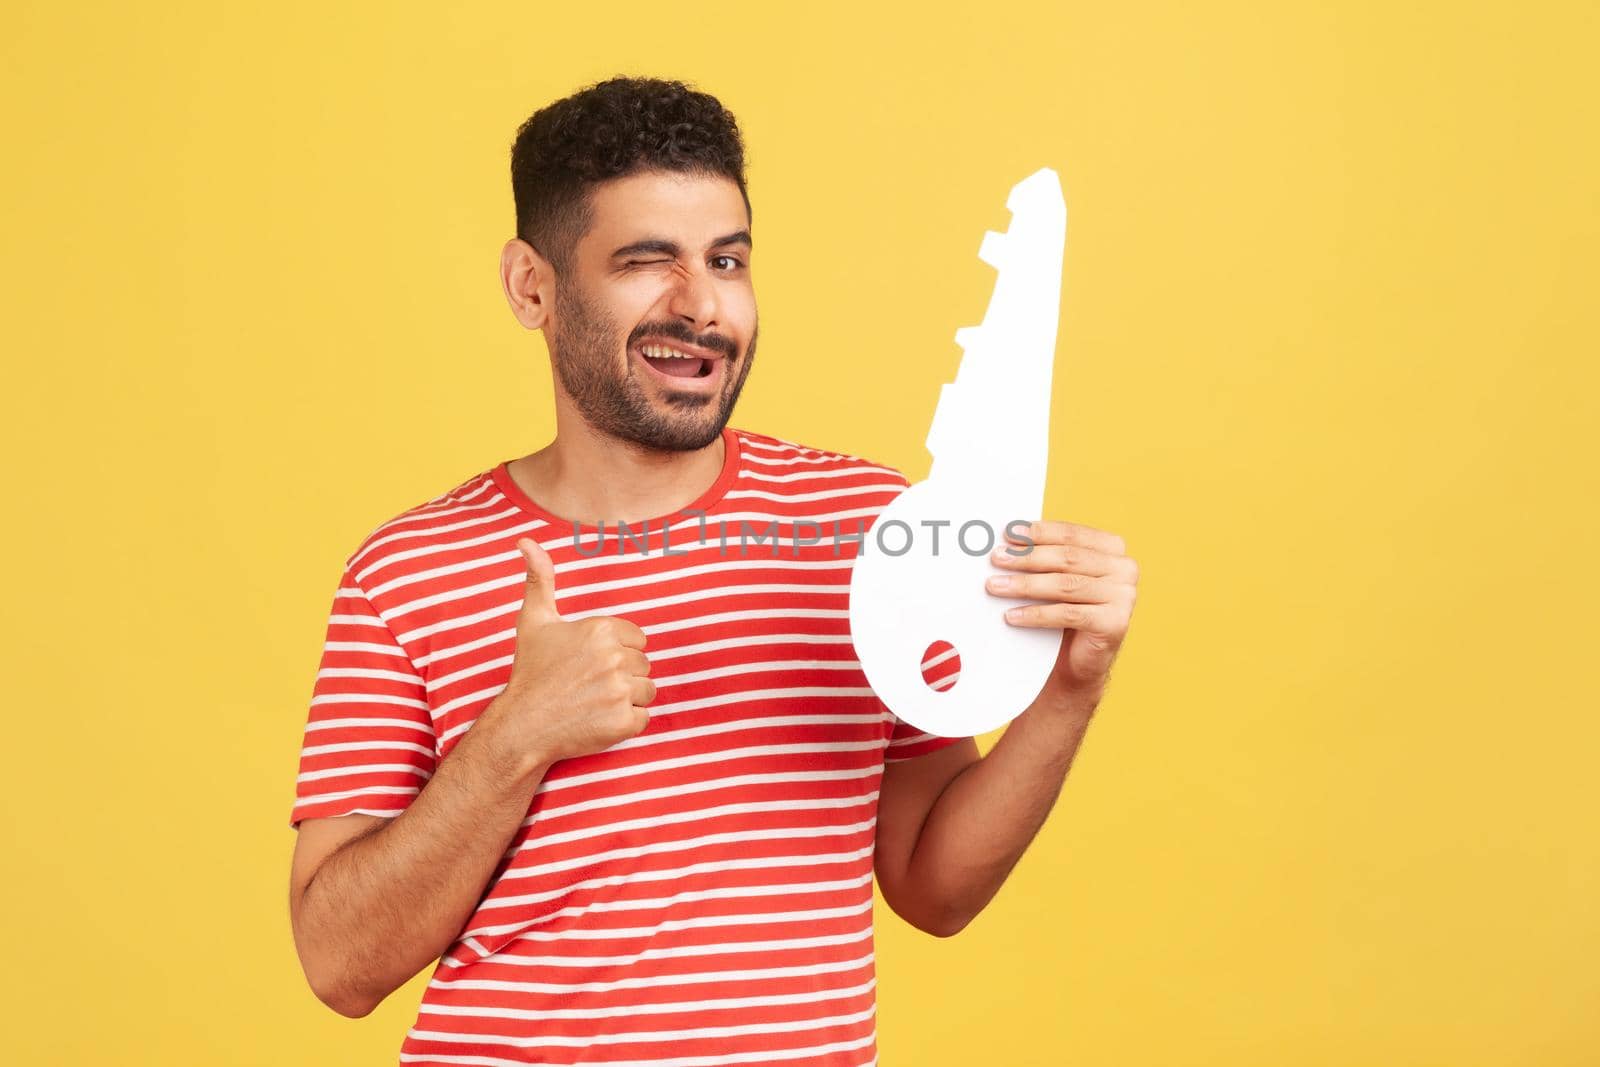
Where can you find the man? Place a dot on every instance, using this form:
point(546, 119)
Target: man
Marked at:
point(627, 784)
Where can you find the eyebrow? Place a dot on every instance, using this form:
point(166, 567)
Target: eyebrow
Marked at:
point(662, 246)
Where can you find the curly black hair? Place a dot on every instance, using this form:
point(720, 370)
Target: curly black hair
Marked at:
point(607, 130)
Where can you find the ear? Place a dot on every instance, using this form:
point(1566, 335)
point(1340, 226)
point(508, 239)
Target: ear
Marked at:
point(528, 281)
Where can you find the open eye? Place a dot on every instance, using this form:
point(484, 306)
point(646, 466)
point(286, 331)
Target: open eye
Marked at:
point(733, 261)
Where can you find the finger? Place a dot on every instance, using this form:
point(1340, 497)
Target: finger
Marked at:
point(539, 591)
point(644, 691)
point(1056, 585)
point(1074, 558)
point(627, 634)
point(637, 662)
point(1048, 532)
point(1093, 618)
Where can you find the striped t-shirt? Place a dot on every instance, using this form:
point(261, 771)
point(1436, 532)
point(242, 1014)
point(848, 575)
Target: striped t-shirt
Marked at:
point(700, 893)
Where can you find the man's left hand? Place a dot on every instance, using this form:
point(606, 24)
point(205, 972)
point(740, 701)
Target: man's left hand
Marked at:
point(1088, 581)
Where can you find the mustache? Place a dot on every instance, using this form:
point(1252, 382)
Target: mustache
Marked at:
point(677, 331)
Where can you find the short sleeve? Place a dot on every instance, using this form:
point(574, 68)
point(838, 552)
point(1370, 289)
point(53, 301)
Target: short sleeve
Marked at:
point(941, 668)
point(369, 743)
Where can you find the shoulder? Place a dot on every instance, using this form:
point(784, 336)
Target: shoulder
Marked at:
point(414, 534)
point(767, 457)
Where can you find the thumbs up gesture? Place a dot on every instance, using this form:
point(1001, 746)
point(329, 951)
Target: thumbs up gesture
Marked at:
point(577, 686)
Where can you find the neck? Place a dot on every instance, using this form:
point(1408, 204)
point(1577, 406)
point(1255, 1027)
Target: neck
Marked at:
point(589, 477)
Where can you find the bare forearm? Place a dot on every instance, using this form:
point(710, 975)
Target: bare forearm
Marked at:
point(385, 905)
point(987, 816)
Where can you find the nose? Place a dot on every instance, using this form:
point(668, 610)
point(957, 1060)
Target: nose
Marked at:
point(694, 300)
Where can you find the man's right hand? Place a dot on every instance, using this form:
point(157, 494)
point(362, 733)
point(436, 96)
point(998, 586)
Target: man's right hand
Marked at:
point(576, 686)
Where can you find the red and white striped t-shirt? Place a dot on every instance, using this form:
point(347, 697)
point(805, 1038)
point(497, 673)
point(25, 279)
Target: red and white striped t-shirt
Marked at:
point(700, 893)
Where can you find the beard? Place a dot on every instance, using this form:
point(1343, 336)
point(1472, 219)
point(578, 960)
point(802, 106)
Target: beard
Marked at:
point(584, 342)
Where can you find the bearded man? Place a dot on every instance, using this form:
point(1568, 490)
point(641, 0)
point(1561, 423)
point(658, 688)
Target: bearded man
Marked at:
point(621, 782)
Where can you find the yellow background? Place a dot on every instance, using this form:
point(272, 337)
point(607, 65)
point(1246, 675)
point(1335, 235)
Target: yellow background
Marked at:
point(1327, 362)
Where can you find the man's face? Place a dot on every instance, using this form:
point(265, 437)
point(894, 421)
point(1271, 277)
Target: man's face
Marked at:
point(653, 327)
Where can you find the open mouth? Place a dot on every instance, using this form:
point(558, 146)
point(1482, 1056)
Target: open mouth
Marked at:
point(675, 363)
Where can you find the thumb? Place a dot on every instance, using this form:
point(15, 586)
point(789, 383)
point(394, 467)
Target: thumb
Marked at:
point(539, 595)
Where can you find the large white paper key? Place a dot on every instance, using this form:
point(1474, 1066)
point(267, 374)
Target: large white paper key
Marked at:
point(920, 576)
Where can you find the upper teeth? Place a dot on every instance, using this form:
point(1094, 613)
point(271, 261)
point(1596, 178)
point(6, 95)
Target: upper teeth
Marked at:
point(663, 352)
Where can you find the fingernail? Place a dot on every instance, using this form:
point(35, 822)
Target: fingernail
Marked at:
point(1000, 583)
point(1013, 614)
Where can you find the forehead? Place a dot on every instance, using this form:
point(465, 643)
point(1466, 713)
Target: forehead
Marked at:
point(693, 209)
